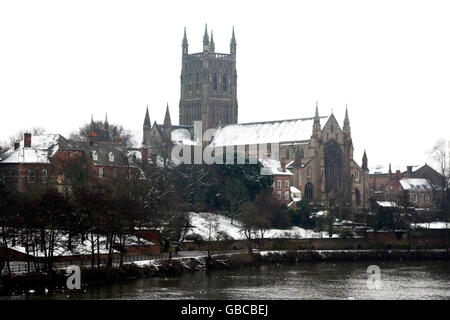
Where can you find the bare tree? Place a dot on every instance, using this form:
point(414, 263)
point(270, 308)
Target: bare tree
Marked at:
point(235, 194)
point(440, 155)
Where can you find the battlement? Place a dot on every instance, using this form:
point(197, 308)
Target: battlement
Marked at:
point(211, 55)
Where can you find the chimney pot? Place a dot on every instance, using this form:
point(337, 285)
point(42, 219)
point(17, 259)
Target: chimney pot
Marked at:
point(283, 164)
point(27, 140)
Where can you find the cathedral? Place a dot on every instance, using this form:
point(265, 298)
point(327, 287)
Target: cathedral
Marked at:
point(316, 153)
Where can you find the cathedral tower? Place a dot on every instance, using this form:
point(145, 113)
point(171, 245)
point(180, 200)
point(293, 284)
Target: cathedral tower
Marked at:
point(208, 84)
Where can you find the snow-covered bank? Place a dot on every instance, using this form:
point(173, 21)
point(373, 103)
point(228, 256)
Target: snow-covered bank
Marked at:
point(200, 225)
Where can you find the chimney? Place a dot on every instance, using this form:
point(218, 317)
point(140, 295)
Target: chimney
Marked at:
point(27, 140)
point(144, 152)
point(16, 145)
point(283, 164)
point(92, 137)
point(409, 169)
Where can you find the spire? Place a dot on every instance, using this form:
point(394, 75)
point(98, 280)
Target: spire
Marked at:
point(233, 43)
point(205, 39)
point(92, 122)
point(316, 125)
point(233, 38)
point(106, 119)
point(364, 160)
point(346, 127)
point(185, 42)
point(167, 121)
point(147, 123)
point(211, 43)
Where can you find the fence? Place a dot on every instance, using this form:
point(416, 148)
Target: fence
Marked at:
point(24, 267)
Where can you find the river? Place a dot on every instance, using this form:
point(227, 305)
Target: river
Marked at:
point(344, 280)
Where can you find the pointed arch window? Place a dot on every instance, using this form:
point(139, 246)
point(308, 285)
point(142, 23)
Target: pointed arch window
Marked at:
point(215, 82)
point(94, 155)
point(224, 82)
point(357, 197)
point(111, 157)
point(309, 193)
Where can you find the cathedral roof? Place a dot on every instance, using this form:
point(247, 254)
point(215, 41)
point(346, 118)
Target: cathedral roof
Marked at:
point(265, 132)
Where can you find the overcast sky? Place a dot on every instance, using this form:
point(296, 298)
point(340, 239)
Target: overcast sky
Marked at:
point(61, 61)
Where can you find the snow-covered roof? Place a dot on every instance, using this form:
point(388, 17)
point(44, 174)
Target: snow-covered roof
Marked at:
point(294, 190)
point(272, 167)
point(265, 132)
point(387, 204)
point(182, 136)
point(42, 149)
point(416, 184)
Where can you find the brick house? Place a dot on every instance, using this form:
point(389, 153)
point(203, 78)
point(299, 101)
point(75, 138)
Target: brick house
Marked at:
point(384, 182)
point(420, 192)
point(38, 160)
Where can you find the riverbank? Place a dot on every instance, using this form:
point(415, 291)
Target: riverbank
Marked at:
point(39, 283)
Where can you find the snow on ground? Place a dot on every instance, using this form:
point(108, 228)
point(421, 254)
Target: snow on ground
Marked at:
point(433, 225)
point(200, 222)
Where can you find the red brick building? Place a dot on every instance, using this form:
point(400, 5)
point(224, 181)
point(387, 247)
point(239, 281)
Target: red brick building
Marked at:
point(39, 160)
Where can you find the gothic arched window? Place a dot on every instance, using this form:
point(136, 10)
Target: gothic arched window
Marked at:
point(357, 197)
point(215, 82)
point(333, 166)
point(224, 82)
point(309, 191)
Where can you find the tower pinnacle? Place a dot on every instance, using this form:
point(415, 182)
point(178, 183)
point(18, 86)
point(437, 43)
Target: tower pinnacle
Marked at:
point(206, 39)
point(346, 127)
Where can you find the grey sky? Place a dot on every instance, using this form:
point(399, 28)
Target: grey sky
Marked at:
point(61, 61)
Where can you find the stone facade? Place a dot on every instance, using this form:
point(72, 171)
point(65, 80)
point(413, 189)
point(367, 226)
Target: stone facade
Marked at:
point(208, 89)
point(318, 150)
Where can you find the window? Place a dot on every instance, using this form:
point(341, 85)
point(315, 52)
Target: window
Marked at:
point(357, 197)
point(31, 176)
point(224, 82)
point(356, 175)
point(279, 184)
point(94, 155)
point(414, 197)
point(197, 81)
point(420, 197)
point(286, 184)
point(44, 176)
point(215, 82)
point(100, 172)
point(279, 195)
point(286, 195)
point(111, 157)
point(309, 191)
point(428, 198)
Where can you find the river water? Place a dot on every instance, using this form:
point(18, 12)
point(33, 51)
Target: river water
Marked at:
point(407, 280)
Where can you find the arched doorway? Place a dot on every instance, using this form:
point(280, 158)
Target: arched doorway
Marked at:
point(309, 191)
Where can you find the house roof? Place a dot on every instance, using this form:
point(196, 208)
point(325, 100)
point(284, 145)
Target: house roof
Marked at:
point(416, 184)
point(42, 149)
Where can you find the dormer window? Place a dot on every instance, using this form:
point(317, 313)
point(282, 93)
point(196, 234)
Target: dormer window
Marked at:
point(94, 155)
point(111, 156)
